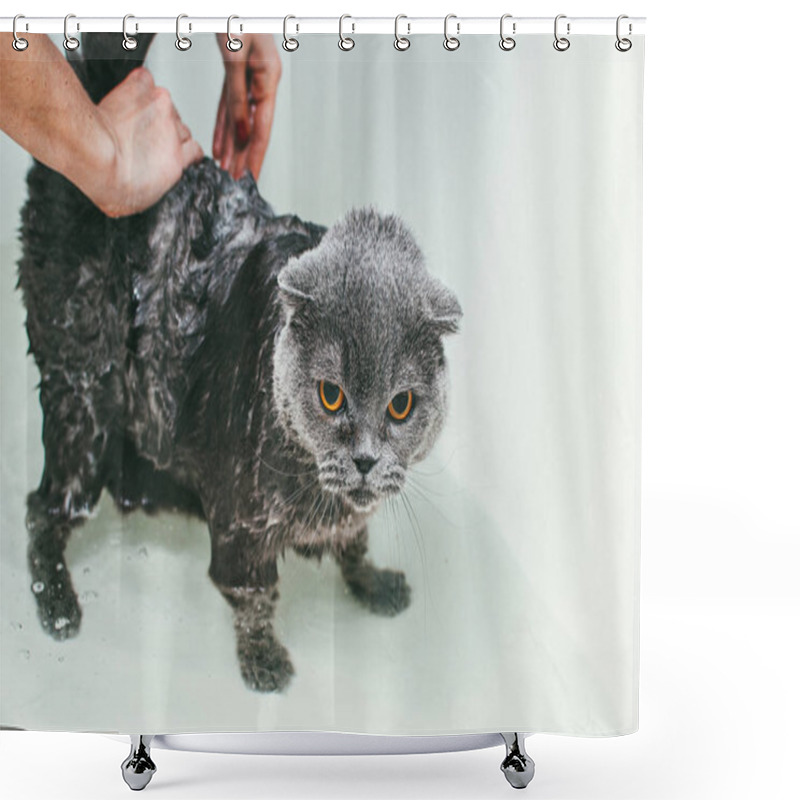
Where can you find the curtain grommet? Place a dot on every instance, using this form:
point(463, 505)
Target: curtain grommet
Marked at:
point(71, 43)
point(233, 44)
point(183, 43)
point(289, 43)
point(507, 43)
point(623, 44)
point(18, 43)
point(129, 43)
point(561, 43)
point(346, 43)
point(451, 43)
point(401, 43)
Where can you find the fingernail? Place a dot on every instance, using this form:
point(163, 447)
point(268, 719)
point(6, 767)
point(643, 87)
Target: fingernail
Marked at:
point(241, 132)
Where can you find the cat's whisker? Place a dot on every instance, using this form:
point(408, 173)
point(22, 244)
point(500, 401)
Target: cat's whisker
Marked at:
point(416, 532)
point(403, 538)
point(304, 525)
point(420, 491)
point(318, 514)
point(309, 524)
point(302, 489)
point(445, 465)
point(395, 524)
point(328, 515)
point(277, 471)
point(412, 482)
point(413, 526)
point(330, 508)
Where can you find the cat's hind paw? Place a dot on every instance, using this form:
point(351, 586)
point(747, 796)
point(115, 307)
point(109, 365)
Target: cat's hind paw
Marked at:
point(382, 591)
point(58, 608)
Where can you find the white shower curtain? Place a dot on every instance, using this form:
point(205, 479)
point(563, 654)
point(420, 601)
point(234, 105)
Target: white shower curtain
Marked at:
point(519, 174)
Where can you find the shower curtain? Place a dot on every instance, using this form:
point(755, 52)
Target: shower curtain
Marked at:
point(511, 183)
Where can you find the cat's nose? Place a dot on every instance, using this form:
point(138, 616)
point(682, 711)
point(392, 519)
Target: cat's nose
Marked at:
point(364, 464)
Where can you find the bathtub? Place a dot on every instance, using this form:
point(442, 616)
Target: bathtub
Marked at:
point(139, 767)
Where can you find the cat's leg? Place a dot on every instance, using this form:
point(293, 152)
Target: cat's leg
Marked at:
point(139, 485)
point(248, 580)
point(75, 444)
point(382, 591)
point(311, 550)
point(56, 601)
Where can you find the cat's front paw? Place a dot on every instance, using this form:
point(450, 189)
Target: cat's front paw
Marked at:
point(382, 591)
point(264, 661)
point(58, 608)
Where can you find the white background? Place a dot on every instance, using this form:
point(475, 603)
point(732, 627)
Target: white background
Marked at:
point(721, 453)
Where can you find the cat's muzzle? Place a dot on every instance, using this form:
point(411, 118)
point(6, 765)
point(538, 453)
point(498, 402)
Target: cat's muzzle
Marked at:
point(362, 498)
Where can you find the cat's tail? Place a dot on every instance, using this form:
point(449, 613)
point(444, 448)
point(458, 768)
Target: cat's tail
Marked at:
point(102, 62)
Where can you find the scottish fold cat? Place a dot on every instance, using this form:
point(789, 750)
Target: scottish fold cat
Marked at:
point(267, 375)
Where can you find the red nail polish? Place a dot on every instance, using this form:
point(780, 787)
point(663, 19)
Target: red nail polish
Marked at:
point(241, 133)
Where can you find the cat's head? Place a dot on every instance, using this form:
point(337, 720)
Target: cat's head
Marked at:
point(359, 371)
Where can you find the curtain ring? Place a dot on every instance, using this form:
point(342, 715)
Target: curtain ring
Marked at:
point(451, 42)
point(128, 42)
point(289, 44)
point(345, 42)
point(182, 42)
point(561, 43)
point(233, 44)
point(623, 45)
point(70, 42)
point(507, 42)
point(400, 42)
point(18, 43)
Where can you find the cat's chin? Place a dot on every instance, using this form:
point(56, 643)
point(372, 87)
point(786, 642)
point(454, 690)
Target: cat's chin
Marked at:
point(362, 499)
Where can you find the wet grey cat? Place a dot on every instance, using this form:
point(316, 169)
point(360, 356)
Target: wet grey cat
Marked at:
point(269, 376)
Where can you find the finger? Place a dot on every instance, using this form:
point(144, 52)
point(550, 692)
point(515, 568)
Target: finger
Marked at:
point(136, 90)
point(176, 117)
point(259, 141)
point(265, 90)
point(142, 79)
point(161, 103)
point(219, 127)
point(227, 148)
point(238, 122)
point(239, 163)
point(191, 152)
point(184, 134)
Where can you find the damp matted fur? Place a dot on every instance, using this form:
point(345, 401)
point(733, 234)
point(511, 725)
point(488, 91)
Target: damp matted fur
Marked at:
point(182, 353)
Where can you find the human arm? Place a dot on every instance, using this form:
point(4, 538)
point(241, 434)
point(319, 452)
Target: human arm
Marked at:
point(247, 105)
point(124, 153)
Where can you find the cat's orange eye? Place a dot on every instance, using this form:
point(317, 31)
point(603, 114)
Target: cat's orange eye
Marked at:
point(331, 396)
point(401, 404)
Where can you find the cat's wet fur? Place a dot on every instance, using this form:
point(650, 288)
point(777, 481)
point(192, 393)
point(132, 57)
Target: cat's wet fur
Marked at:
point(180, 353)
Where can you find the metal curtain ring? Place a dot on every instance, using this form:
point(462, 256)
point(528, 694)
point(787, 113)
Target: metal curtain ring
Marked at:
point(70, 42)
point(400, 42)
point(623, 45)
point(345, 42)
point(507, 42)
point(561, 43)
point(289, 44)
point(233, 44)
point(182, 42)
point(18, 43)
point(451, 42)
point(128, 42)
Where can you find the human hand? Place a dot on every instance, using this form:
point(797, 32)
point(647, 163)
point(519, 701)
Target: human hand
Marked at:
point(146, 147)
point(247, 105)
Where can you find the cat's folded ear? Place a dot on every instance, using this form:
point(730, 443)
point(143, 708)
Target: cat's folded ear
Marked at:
point(444, 310)
point(296, 281)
